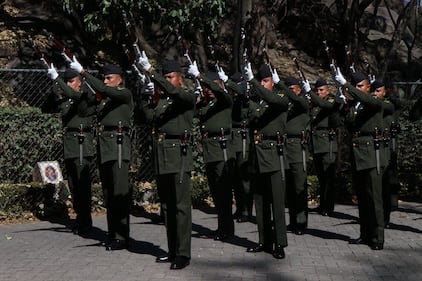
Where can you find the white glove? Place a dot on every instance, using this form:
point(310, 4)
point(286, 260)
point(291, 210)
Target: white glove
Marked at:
point(340, 98)
point(149, 89)
point(339, 77)
point(248, 72)
point(306, 86)
point(75, 65)
point(198, 91)
point(276, 78)
point(193, 70)
point(52, 72)
point(222, 74)
point(143, 61)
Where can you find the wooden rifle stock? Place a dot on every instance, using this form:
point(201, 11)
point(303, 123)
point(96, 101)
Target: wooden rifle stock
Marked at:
point(40, 54)
point(66, 53)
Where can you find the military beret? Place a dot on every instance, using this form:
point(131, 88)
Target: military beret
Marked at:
point(237, 77)
point(320, 82)
point(264, 72)
point(377, 84)
point(289, 81)
point(357, 77)
point(69, 74)
point(112, 69)
point(170, 66)
point(212, 75)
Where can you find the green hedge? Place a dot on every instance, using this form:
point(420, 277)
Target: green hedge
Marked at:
point(27, 137)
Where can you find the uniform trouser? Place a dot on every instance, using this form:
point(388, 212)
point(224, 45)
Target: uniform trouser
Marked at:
point(390, 188)
point(80, 186)
point(241, 185)
point(297, 195)
point(368, 186)
point(326, 173)
point(176, 204)
point(117, 196)
point(219, 180)
point(269, 194)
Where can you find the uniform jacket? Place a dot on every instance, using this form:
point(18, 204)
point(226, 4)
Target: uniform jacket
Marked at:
point(77, 111)
point(240, 118)
point(363, 119)
point(297, 122)
point(214, 117)
point(325, 117)
point(170, 118)
point(116, 106)
point(267, 117)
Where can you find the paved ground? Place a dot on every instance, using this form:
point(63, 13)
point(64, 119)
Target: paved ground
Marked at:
point(48, 251)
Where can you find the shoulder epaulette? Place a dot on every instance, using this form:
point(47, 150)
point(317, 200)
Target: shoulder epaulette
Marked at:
point(280, 94)
point(331, 100)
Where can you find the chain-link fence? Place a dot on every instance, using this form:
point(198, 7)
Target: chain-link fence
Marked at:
point(31, 130)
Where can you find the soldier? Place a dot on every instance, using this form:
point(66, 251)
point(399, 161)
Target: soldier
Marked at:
point(114, 115)
point(266, 162)
point(240, 145)
point(365, 123)
point(296, 154)
point(388, 147)
point(172, 119)
point(77, 109)
point(325, 118)
point(215, 121)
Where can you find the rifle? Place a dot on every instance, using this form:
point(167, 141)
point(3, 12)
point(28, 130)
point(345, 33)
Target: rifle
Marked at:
point(189, 60)
point(40, 54)
point(349, 59)
point(371, 76)
point(300, 70)
point(267, 59)
point(245, 59)
point(68, 56)
point(217, 66)
point(333, 67)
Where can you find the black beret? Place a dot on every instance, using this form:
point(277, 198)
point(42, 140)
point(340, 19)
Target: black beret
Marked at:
point(69, 74)
point(112, 69)
point(212, 75)
point(377, 84)
point(320, 82)
point(237, 77)
point(170, 66)
point(264, 72)
point(357, 77)
point(289, 81)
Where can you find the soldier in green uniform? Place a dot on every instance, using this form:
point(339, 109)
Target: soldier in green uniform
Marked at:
point(114, 114)
point(171, 118)
point(296, 154)
point(77, 108)
point(364, 123)
point(325, 118)
point(240, 145)
point(215, 120)
point(267, 161)
point(388, 148)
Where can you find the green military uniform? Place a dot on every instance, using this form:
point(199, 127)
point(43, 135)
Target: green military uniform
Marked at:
point(325, 120)
point(296, 155)
point(216, 123)
point(266, 161)
point(114, 114)
point(240, 146)
point(171, 119)
point(77, 111)
point(364, 118)
point(415, 112)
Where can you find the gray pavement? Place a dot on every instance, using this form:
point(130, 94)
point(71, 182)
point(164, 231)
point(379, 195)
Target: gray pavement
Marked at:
point(48, 251)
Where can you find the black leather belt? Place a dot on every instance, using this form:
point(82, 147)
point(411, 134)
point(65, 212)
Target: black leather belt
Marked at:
point(360, 134)
point(214, 135)
point(239, 126)
point(294, 136)
point(115, 128)
point(84, 129)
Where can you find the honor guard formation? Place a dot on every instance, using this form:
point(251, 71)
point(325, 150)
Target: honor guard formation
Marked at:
point(258, 131)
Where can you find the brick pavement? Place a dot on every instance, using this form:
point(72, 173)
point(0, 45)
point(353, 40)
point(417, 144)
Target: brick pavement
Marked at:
point(44, 251)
